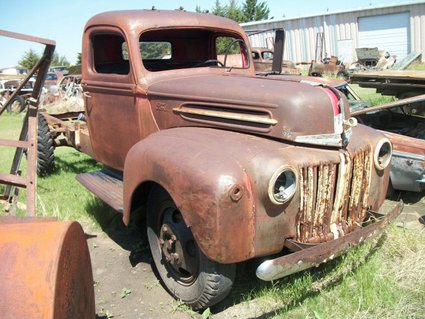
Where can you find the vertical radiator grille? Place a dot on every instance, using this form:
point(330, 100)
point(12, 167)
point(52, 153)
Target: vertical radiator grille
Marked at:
point(333, 197)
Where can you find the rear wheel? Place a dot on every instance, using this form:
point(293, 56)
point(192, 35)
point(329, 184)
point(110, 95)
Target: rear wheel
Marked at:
point(45, 148)
point(17, 105)
point(186, 272)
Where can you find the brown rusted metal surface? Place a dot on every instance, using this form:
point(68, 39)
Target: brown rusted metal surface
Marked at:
point(107, 188)
point(407, 144)
point(202, 132)
point(319, 68)
point(29, 128)
point(26, 37)
point(161, 97)
point(69, 129)
point(315, 255)
point(273, 103)
point(45, 270)
point(398, 103)
point(333, 197)
point(196, 182)
point(25, 219)
point(392, 82)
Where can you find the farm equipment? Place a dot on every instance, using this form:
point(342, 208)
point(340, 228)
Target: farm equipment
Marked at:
point(45, 269)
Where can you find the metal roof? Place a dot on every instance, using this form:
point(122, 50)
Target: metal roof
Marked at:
point(332, 13)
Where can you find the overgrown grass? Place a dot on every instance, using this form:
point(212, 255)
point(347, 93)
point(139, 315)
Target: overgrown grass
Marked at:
point(371, 95)
point(383, 278)
point(416, 66)
point(383, 281)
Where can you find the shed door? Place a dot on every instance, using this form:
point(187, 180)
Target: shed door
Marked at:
point(389, 32)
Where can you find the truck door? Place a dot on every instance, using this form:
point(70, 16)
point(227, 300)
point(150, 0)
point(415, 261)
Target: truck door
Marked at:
point(109, 87)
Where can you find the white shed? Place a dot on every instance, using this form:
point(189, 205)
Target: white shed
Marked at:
point(398, 29)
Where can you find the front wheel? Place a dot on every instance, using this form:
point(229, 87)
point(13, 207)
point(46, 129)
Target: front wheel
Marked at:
point(186, 272)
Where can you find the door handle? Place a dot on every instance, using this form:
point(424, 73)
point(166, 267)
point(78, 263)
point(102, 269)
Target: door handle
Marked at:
point(86, 94)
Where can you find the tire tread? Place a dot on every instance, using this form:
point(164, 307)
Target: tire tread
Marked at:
point(45, 148)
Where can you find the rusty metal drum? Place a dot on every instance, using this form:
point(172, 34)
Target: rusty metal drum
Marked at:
point(45, 270)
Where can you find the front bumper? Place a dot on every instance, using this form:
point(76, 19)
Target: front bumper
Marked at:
point(313, 256)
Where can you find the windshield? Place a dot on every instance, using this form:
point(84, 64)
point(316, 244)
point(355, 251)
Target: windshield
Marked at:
point(191, 48)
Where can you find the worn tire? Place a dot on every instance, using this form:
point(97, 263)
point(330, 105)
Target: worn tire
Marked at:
point(205, 284)
point(45, 148)
point(17, 105)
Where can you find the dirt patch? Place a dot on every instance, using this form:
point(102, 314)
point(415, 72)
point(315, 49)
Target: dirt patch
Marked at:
point(126, 284)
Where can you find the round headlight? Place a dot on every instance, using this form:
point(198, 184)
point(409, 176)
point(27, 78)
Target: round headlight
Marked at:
point(283, 185)
point(383, 153)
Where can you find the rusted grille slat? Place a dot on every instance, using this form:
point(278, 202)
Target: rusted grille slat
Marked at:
point(359, 188)
point(333, 197)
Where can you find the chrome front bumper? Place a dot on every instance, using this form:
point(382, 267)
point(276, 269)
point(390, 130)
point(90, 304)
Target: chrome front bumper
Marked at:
point(313, 256)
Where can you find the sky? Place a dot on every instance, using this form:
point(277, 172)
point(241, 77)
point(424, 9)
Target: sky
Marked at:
point(64, 20)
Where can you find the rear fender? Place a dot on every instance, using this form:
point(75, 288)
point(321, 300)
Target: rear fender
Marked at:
point(211, 189)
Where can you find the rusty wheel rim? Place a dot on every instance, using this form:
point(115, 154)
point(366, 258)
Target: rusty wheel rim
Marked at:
point(15, 107)
point(178, 247)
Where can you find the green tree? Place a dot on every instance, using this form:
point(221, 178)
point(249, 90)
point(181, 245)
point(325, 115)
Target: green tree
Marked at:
point(254, 11)
point(155, 50)
point(200, 10)
point(79, 58)
point(30, 59)
point(251, 10)
point(218, 9)
point(234, 11)
point(59, 60)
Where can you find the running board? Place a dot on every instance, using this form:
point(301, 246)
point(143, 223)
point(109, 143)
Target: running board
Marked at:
point(107, 188)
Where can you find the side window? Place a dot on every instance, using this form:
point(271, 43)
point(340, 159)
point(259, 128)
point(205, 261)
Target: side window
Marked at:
point(110, 54)
point(232, 52)
point(255, 55)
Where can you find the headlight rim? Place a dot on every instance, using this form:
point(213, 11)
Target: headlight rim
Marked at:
point(274, 179)
point(378, 147)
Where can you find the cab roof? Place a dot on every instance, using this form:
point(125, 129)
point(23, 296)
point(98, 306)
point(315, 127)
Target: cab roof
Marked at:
point(138, 20)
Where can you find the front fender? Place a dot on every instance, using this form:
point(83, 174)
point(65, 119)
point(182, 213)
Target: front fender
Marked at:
point(211, 189)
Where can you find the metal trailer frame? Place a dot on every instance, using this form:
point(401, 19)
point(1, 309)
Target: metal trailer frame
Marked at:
point(27, 142)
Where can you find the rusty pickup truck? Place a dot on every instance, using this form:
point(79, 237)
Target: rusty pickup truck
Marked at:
point(224, 166)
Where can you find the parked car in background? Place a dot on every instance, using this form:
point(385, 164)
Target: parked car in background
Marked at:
point(263, 59)
point(59, 69)
point(51, 79)
point(328, 65)
point(8, 86)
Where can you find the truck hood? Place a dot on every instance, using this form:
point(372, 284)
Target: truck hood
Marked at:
point(284, 110)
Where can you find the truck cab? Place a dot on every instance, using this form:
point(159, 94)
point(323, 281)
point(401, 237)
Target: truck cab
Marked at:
point(224, 165)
